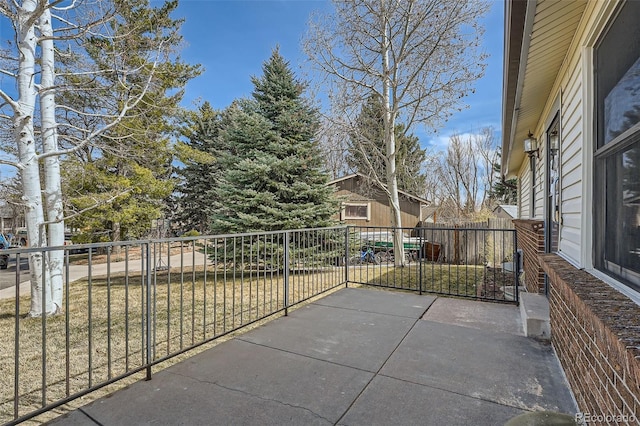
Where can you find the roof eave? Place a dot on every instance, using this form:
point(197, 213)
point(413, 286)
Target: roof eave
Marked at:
point(518, 22)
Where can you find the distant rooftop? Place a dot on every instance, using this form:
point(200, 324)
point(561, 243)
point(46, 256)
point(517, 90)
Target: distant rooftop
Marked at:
point(510, 209)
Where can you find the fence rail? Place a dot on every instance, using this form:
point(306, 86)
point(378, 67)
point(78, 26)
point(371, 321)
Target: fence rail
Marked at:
point(465, 262)
point(128, 306)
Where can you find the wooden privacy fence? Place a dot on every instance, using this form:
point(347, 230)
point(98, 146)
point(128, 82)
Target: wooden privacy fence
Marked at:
point(471, 243)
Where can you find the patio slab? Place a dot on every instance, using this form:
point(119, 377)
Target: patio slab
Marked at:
point(470, 313)
point(353, 338)
point(493, 366)
point(389, 401)
point(348, 359)
point(242, 383)
point(369, 300)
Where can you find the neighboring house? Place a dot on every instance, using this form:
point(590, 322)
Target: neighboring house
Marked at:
point(506, 211)
point(9, 222)
point(571, 135)
point(366, 204)
point(429, 213)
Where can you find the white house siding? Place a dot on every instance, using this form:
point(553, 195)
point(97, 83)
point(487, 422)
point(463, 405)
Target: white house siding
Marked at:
point(572, 186)
point(524, 191)
point(575, 119)
point(540, 180)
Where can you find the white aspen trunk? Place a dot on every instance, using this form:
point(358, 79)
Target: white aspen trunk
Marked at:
point(53, 186)
point(25, 137)
point(390, 144)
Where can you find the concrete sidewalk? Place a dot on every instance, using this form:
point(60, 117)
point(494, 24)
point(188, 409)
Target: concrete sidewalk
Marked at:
point(356, 357)
point(78, 272)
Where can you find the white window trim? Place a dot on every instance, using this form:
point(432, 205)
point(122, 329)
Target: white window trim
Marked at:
point(588, 84)
point(343, 211)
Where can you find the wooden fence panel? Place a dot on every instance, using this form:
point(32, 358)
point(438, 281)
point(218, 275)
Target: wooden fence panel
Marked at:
point(473, 243)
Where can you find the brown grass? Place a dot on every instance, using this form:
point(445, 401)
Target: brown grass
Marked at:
point(100, 335)
point(455, 280)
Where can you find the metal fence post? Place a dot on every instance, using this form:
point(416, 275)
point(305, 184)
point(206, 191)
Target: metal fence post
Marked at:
point(346, 257)
point(421, 254)
point(148, 310)
point(286, 272)
point(516, 258)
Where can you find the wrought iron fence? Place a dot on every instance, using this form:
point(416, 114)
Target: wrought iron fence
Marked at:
point(128, 306)
point(464, 262)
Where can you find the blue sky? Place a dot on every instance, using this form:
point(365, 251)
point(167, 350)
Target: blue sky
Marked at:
point(231, 39)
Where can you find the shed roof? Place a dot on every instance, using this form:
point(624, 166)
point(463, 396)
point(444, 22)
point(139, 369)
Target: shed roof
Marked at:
point(354, 175)
point(509, 209)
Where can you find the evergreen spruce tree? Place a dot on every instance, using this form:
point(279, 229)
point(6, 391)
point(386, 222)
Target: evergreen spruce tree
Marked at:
point(199, 153)
point(273, 176)
point(503, 191)
point(366, 149)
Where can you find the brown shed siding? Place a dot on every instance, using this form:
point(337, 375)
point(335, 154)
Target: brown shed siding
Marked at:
point(349, 191)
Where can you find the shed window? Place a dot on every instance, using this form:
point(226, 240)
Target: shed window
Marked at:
point(617, 154)
point(356, 211)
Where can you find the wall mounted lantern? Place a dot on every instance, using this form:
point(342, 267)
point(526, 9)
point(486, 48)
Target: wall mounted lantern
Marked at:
point(531, 146)
point(554, 142)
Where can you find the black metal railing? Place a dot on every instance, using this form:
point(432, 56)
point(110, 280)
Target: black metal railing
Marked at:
point(128, 306)
point(478, 263)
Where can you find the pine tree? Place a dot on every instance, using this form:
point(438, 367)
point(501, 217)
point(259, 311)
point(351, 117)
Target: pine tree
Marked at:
point(503, 191)
point(199, 153)
point(123, 182)
point(366, 149)
point(273, 178)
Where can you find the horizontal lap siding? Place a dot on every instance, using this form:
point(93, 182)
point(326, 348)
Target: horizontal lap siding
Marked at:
point(524, 191)
point(572, 185)
point(540, 182)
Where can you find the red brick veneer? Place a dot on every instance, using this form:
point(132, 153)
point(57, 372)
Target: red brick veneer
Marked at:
point(596, 333)
point(531, 241)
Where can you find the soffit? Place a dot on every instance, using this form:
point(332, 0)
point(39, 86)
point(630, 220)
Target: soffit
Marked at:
point(554, 26)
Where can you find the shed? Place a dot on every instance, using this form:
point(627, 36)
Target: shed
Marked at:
point(365, 203)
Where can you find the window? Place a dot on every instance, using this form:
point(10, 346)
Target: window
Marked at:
point(356, 211)
point(617, 152)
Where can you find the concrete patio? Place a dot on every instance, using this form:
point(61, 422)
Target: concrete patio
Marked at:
point(355, 357)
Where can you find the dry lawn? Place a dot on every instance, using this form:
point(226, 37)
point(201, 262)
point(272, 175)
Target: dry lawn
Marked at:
point(455, 280)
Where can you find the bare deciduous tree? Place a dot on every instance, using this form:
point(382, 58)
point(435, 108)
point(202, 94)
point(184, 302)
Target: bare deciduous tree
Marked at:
point(47, 33)
point(464, 171)
point(419, 58)
point(333, 145)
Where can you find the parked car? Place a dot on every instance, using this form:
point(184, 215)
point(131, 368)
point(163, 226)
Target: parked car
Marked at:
point(4, 258)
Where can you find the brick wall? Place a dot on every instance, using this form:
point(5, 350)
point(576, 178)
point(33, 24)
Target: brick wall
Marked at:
point(531, 241)
point(596, 333)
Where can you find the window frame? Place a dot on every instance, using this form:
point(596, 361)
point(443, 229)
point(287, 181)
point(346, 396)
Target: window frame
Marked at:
point(343, 211)
point(603, 152)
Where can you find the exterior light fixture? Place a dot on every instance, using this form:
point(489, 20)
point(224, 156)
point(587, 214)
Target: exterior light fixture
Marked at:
point(531, 146)
point(554, 142)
